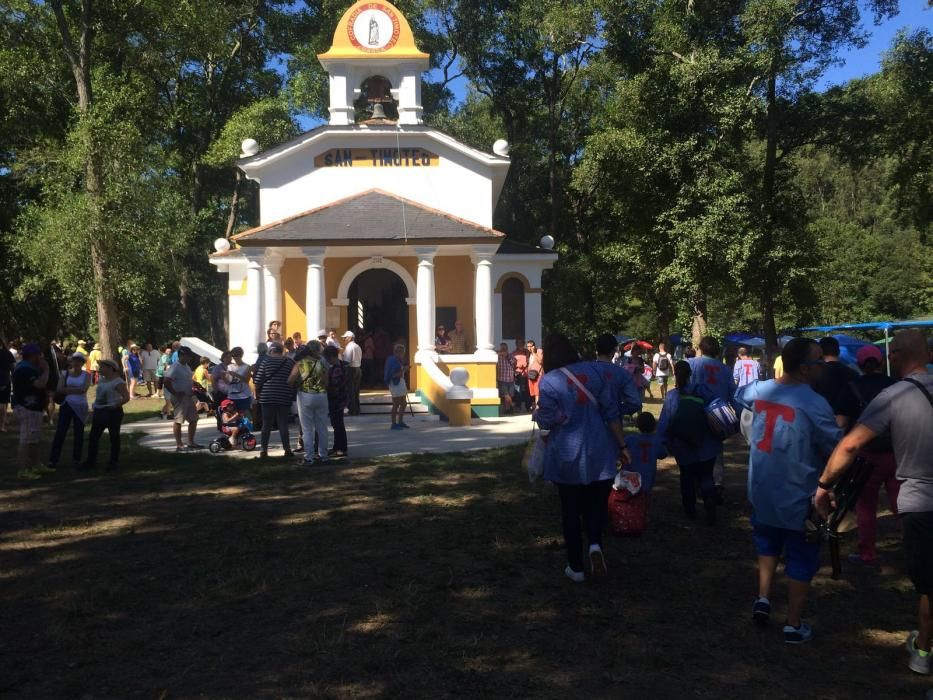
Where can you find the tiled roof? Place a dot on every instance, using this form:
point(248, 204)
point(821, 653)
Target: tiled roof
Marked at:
point(373, 215)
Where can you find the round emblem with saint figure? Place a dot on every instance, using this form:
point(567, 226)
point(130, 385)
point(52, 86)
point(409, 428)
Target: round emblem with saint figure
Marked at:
point(373, 27)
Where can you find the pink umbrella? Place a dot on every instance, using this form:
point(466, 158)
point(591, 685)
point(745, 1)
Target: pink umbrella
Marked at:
point(643, 344)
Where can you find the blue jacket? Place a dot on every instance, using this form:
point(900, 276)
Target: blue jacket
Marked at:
point(629, 396)
point(580, 448)
point(645, 449)
point(793, 434)
point(682, 452)
point(711, 378)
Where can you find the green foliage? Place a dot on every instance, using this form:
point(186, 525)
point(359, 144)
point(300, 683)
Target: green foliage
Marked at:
point(676, 150)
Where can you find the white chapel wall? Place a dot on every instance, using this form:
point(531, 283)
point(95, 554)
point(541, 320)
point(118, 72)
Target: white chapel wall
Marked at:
point(455, 186)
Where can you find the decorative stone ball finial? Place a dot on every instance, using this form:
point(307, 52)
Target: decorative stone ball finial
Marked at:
point(248, 148)
point(221, 245)
point(459, 376)
point(501, 148)
point(547, 242)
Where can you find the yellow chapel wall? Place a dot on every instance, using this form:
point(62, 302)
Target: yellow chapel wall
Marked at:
point(453, 286)
point(453, 283)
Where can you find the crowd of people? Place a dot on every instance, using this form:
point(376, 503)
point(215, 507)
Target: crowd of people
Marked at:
point(804, 428)
point(318, 382)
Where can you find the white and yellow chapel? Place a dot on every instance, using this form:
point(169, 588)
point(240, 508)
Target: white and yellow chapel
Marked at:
point(380, 223)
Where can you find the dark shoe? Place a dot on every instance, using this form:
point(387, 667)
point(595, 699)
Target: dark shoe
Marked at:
point(797, 635)
point(289, 453)
point(761, 611)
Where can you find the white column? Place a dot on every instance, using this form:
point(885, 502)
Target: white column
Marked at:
point(482, 299)
point(341, 100)
point(409, 96)
point(533, 320)
point(272, 289)
point(314, 291)
point(253, 324)
point(497, 318)
point(424, 294)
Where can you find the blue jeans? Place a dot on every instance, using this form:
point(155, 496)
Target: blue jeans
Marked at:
point(586, 504)
point(67, 418)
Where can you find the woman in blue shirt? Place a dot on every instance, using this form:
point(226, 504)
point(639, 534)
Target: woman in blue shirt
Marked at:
point(695, 457)
point(581, 411)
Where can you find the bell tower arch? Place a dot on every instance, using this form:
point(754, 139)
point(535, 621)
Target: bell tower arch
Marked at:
point(374, 39)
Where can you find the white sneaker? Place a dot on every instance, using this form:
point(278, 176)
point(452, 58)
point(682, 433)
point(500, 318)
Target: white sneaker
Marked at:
point(919, 661)
point(597, 561)
point(575, 576)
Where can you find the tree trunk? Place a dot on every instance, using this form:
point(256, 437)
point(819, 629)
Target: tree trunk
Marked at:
point(698, 327)
point(767, 200)
point(79, 59)
point(553, 120)
point(234, 206)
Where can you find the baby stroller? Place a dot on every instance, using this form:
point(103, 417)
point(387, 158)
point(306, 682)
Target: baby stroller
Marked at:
point(243, 424)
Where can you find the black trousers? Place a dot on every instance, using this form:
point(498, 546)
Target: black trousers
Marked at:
point(355, 378)
point(698, 474)
point(109, 419)
point(274, 414)
point(583, 507)
point(340, 430)
point(67, 418)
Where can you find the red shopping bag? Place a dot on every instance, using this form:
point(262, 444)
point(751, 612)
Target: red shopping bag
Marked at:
point(628, 514)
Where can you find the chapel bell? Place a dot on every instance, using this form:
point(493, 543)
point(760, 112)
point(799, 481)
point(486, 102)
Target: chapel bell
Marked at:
point(378, 93)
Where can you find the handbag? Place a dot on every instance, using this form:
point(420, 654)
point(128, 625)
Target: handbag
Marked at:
point(533, 459)
point(722, 419)
point(533, 375)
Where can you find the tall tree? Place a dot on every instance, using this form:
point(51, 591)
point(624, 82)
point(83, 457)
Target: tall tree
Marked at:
point(790, 44)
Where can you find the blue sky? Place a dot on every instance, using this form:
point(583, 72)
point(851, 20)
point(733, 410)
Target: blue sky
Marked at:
point(858, 63)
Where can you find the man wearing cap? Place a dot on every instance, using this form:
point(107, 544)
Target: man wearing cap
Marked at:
point(29, 381)
point(353, 356)
point(92, 362)
point(179, 381)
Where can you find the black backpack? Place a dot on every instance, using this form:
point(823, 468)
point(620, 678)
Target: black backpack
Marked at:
point(664, 364)
point(689, 424)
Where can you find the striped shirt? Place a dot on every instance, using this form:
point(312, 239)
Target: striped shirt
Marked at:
point(272, 378)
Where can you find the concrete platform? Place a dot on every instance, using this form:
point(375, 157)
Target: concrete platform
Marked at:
point(368, 436)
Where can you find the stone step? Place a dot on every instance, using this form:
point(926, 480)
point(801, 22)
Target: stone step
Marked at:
point(381, 404)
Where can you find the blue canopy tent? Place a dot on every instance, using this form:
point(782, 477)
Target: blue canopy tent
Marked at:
point(886, 326)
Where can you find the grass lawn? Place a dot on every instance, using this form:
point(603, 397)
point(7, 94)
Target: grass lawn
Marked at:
point(424, 576)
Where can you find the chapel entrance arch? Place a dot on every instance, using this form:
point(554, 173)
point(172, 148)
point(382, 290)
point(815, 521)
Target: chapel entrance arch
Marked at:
point(378, 305)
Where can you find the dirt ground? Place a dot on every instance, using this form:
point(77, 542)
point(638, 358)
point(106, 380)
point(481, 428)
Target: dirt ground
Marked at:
point(421, 577)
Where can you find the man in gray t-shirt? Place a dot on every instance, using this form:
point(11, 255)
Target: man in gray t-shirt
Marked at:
point(905, 410)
